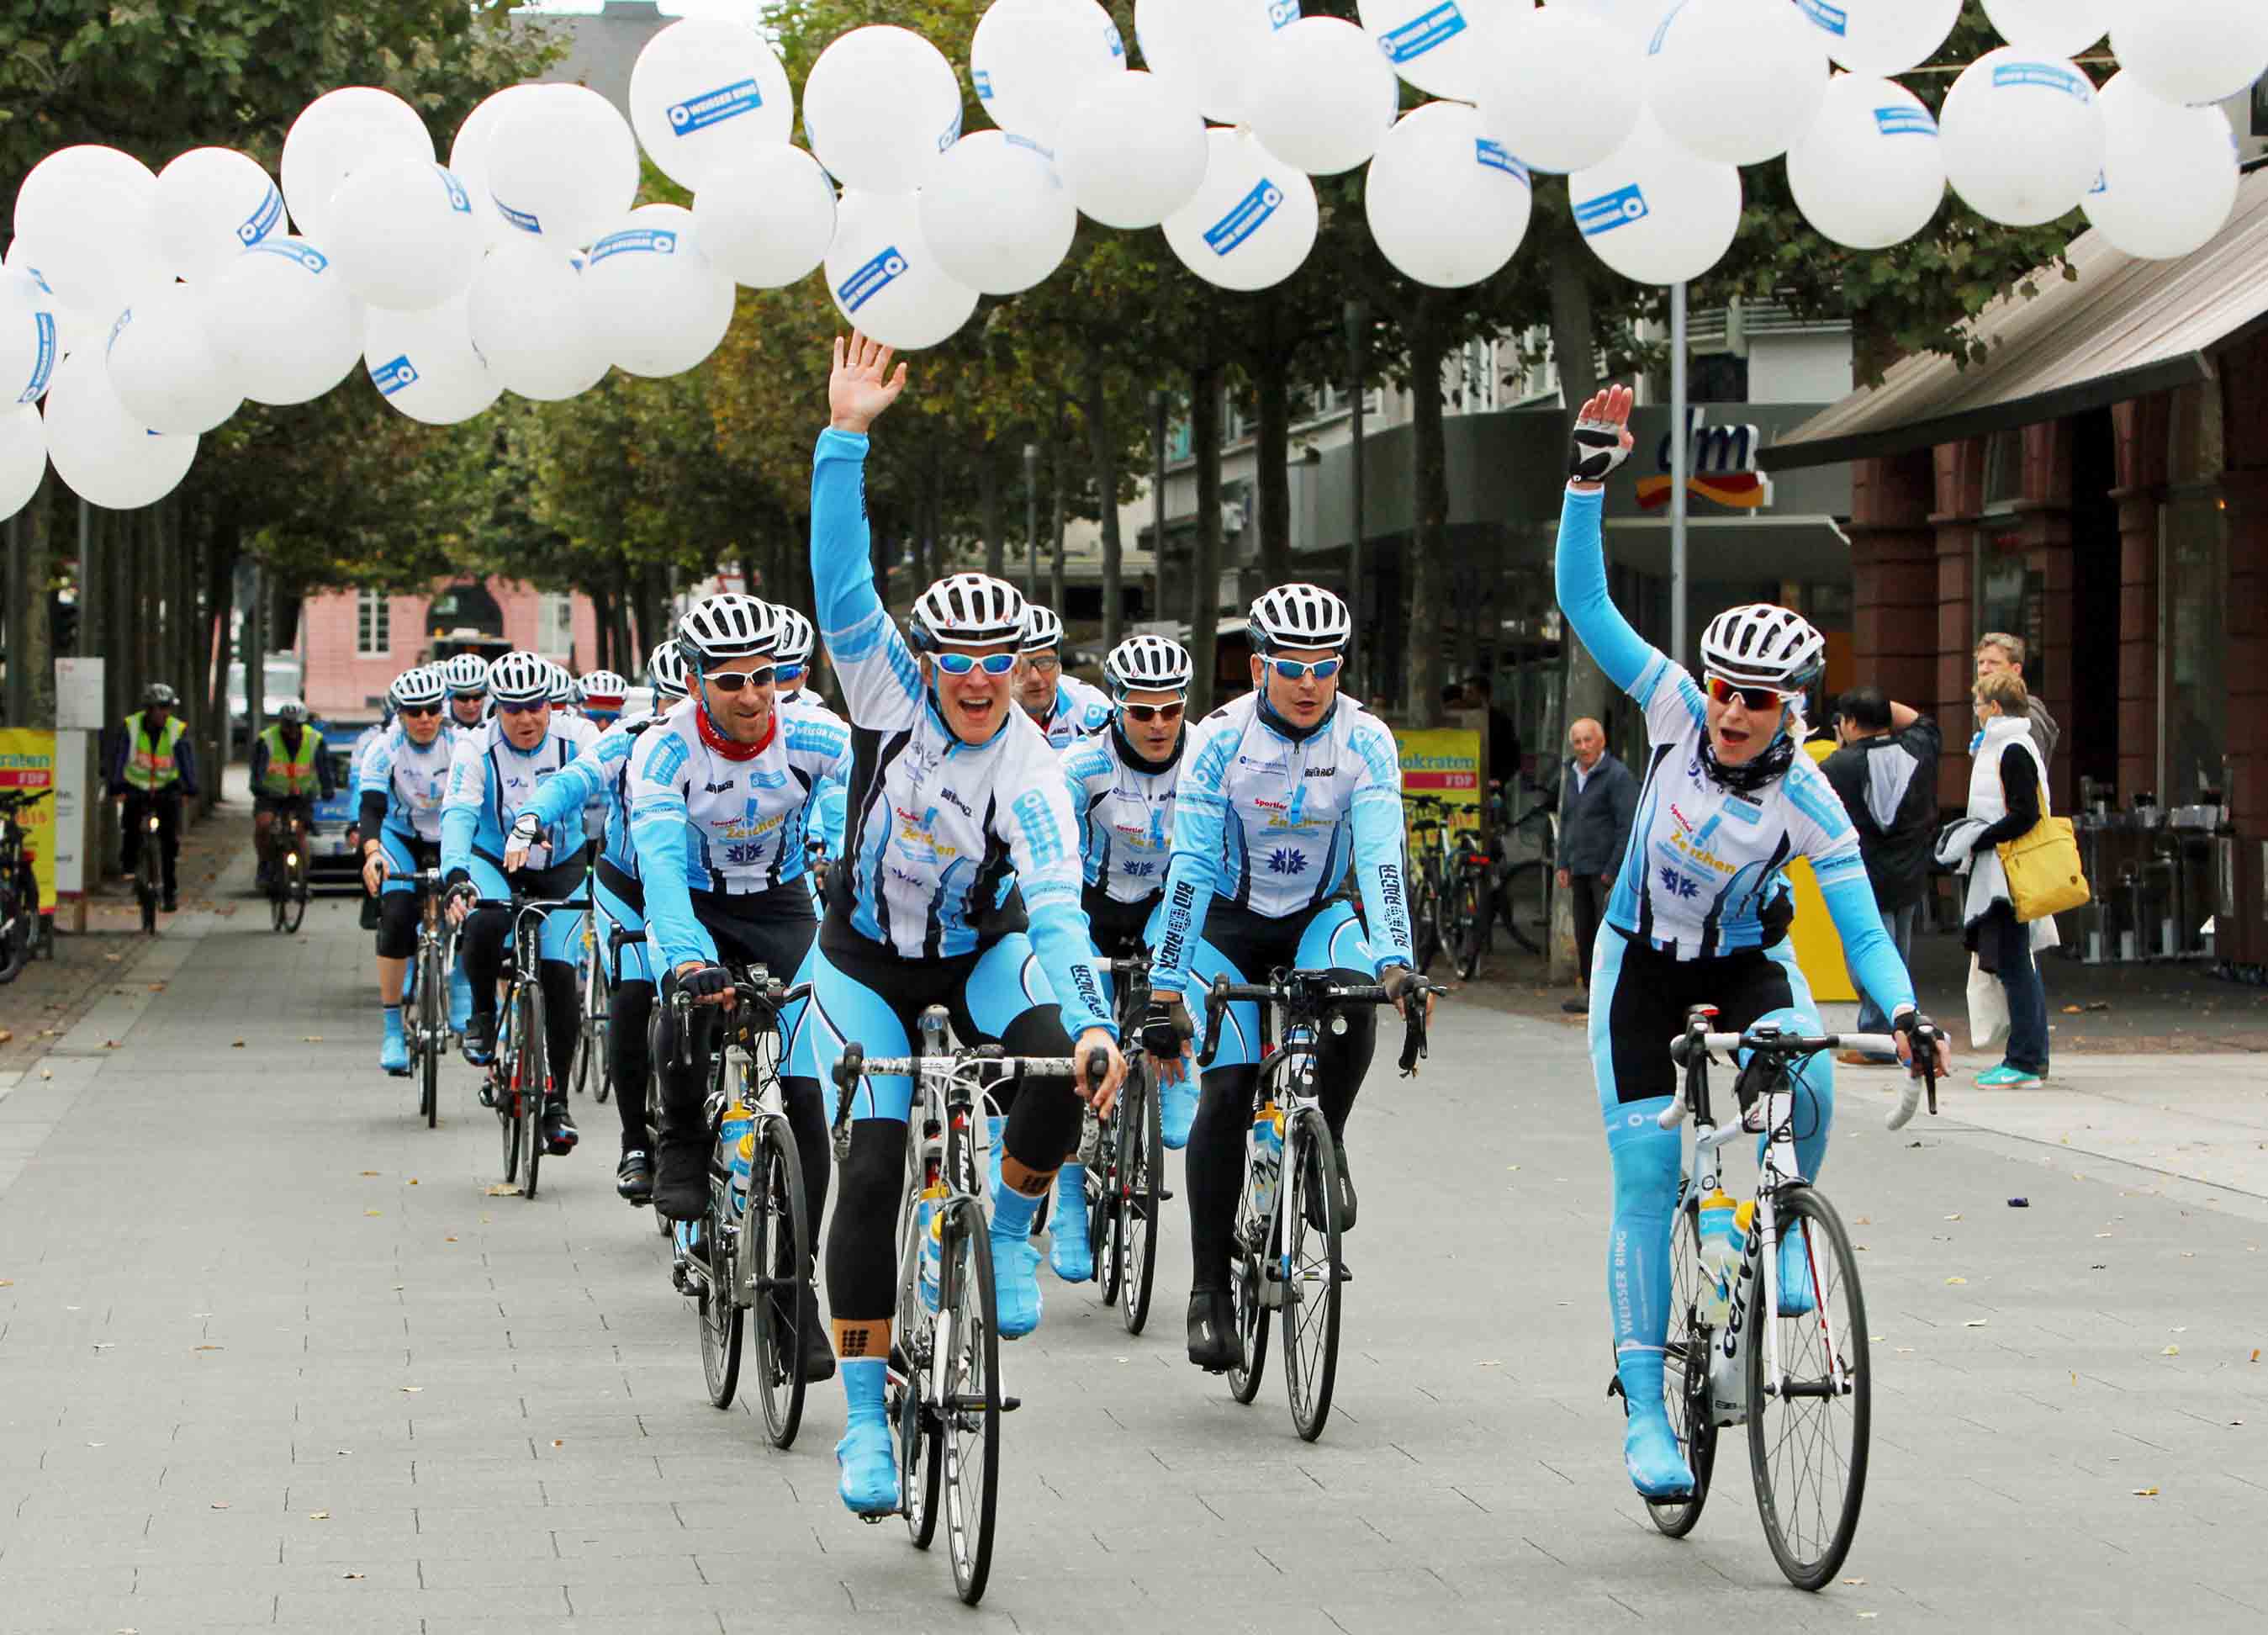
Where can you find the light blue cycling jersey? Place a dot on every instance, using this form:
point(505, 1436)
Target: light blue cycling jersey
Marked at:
point(830, 806)
point(414, 779)
point(1081, 709)
point(1125, 811)
point(1703, 874)
point(1273, 824)
point(490, 781)
point(942, 823)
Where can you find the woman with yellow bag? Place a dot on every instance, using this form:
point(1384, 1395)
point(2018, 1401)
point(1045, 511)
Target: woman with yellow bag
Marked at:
point(2006, 926)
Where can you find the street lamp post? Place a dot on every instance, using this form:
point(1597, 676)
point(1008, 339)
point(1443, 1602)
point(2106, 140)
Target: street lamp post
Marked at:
point(1358, 334)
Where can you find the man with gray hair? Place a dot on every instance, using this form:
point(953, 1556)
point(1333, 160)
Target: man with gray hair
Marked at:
point(1998, 651)
point(1598, 798)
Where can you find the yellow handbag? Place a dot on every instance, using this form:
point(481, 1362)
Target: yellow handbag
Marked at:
point(2045, 876)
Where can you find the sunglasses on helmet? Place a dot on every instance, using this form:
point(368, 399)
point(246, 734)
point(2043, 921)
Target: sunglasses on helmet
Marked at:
point(961, 664)
point(1756, 698)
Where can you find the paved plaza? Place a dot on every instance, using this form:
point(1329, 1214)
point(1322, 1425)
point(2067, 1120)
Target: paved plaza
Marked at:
point(272, 1356)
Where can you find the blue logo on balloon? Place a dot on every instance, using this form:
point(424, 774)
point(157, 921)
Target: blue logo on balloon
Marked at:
point(392, 377)
point(1421, 33)
point(714, 108)
point(43, 363)
point(117, 328)
point(870, 280)
point(522, 219)
point(306, 254)
point(1281, 13)
point(1904, 121)
point(642, 240)
point(1610, 211)
point(1496, 156)
point(1833, 18)
point(459, 200)
point(1117, 41)
point(262, 221)
point(2049, 75)
point(1251, 214)
point(983, 85)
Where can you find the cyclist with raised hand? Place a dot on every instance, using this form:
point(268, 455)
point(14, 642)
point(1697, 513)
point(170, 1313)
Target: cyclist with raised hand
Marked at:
point(405, 778)
point(153, 766)
point(1066, 708)
point(1699, 914)
point(954, 788)
point(600, 694)
point(1282, 794)
point(288, 772)
point(831, 804)
point(496, 773)
point(468, 677)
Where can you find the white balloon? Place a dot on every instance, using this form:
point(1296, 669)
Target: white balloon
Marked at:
point(1447, 205)
point(103, 454)
point(23, 457)
point(1636, 17)
point(2169, 173)
point(2023, 137)
point(1207, 48)
point(335, 134)
point(468, 154)
point(1032, 59)
point(31, 336)
point(1654, 211)
point(1883, 36)
point(766, 217)
point(658, 305)
point(1253, 221)
point(87, 218)
point(885, 280)
point(1322, 97)
point(1131, 150)
point(1441, 46)
point(561, 165)
point(2057, 27)
point(164, 368)
point(75, 327)
point(996, 216)
point(1736, 80)
point(403, 235)
point(2192, 51)
point(424, 366)
point(880, 105)
point(212, 204)
point(703, 91)
point(1564, 87)
point(1868, 174)
point(530, 322)
point(284, 322)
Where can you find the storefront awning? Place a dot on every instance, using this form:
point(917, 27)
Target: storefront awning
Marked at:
point(2124, 329)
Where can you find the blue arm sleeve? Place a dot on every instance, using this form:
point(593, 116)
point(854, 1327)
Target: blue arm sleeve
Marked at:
point(1619, 650)
point(1873, 958)
point(579, 783)
point(658, 821)
point(842, 555)
point(1377, 832)
point(830, 814)
point(1193, 866)
point(457, 826)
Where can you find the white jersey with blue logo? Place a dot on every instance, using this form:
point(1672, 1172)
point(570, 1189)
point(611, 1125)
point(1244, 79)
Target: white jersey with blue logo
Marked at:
point(1273, 824)
point(1081, 710)
point(490, 781)
point(414, 779)
point(1125, 811)
point(830, 806)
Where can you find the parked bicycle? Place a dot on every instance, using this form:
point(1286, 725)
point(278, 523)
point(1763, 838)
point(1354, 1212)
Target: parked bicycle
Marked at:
point(1530, 844)
point(1800, 1379)
point(1451, 903)
point(22, 925)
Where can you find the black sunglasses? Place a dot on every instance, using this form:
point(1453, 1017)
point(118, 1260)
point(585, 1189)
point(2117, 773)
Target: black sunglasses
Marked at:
point(1155, 712)
point(420, 711)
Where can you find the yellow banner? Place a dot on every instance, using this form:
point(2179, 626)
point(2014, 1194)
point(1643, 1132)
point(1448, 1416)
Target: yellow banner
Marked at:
point(1444, 762)
point(27, 761)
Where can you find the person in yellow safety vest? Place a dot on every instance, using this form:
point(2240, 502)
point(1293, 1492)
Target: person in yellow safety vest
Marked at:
point(288, 770)
point(152, 765)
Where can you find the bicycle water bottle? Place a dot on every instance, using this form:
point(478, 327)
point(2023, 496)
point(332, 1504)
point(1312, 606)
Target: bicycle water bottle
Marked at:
point(1728, 1399)
point(1266, 1157)
point(1721, 1257)
point(737, 1135)
point(929, 1223)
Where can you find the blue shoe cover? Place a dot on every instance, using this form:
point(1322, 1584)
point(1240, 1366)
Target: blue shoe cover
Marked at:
point(1797, 1298)
point(1016, 1278)
point(460, 1001)
point(1070, 1254)
point(1177, 1110)
point(392, 1049)
point(868, 1459)
point(1657, 1470)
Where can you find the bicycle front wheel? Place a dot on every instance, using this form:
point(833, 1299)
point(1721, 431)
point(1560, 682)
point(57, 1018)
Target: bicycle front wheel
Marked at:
point(431, 1019)
point(969, 1380)
point(531, 1078)
point(1141, 1197)
point(1807, 1441)
point(1310, 1270)
point(294, 908)
point(717, 1305)
point(1248, 1291)
point(1106, 1179)
point(775, 1249)
point(1685, 1372)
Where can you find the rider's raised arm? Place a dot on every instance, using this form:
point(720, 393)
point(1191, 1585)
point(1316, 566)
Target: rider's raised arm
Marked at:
point(1044, 845)
point(1820, 828)
point(1661, 688)
point(660, 830)
point(581, 781)
point(882, 682)
point(1378, 834)
point(1193, 866)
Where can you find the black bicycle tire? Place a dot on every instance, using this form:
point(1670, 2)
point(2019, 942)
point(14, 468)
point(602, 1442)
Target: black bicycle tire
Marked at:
point(779, 1361)
point(1474, 920)
point(1249, 1312)
point(501, 1068)
point(1508, 895)
point(1146, 1189)
point(295, 906)
point(919, 1439)
point(1307, 1128)
point(431, 1019)
point(1106, 1183)
point(716, 1306)
point(972, 1563)
point(534, 1075)
point(1685, 1354)
point(1792, 1203)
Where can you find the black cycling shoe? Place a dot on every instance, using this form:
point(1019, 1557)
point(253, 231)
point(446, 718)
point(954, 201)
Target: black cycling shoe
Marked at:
point(680, 1190)
point(818, 1352)
point(559, 1133)
point(480, 1039)
point(1215, 1345)
point(633, 1177)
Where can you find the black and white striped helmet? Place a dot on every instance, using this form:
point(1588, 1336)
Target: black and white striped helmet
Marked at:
point(467, 672)
point(602, 687)
point(796, 638)
point(1148, 664)
point(415, 689)
point(1299, 615)
point(665, 670)
point(521, 678)
point(562, 685)
point(974, 608)
point(727, 626)
point(1042, 629)
point(1761, 645)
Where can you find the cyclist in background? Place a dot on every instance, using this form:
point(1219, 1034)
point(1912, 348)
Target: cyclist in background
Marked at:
point(1282, 794)
point(152, 767)
point(1065, 707)
point(405, 779)
point(796, 644)
point(1699, 914)
point(563, 689)
point(289, 771)
point(600, 694)
point(468, 676)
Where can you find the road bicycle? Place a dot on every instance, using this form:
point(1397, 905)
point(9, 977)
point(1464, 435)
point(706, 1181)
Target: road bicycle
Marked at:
point(22, 925)
point(426, 1029)
point(1284, 1254)
point(287, 881)
point(1800, 1380)
point(1451, 902)
point(750, 1251)
point(945, 1395)
point(147, 868)
point(1524, 895)
point(1124, 1155)
point(593, 1065)
point(519, 1081)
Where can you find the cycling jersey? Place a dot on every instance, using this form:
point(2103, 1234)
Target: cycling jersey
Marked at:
point(596, 777)
point(830, 806)
point(1080, 709)
point(490, 781)
point(939, 824)
point(401, 784)
point(1125, 812)
point(1273, 824)
point(1703, 875)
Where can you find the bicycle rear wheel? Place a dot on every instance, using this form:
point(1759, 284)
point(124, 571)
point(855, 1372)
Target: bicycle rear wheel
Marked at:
point(1424, 932)
point(1685, 1372)
point(531, 1079)
point(970, 1391)
point(1475, 916)
point(775, 1252)
point(1141, 1198)
point(919, 1460)
point(1309, 1269)
point(1526, 905)
point(1247, 1294)
point(1808, 1446)
point(145, 881)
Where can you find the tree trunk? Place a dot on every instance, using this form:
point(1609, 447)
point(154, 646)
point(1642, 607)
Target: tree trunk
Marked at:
point(1272, 452)
point(1102, 448)
point(38, 657)
point(1058, 449)
point(1204, 549)
point(1429, 565)
point(220, 586)
point(988, 504)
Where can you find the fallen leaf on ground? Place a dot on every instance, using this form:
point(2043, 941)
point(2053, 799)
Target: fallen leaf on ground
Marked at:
point(2071, 1009)
point(212, 1347)
point(2146, 1492)
point(352, 1575)
point(412, 1389)
point(110, 1044)
point(373, 1212)
point(370, 1172)
point(312, 1039)
point(44, 1073)
point(1954, 1217)
point(503, 1189)
point(448, 1240)
point(1956, 1279)
point(413, 1181)
point(2171, 1350)
point(220, 1503)
point(236, 1044)
point(113, 958)
point(5, 1036)
point(1975, 1322)
point(319, 1515)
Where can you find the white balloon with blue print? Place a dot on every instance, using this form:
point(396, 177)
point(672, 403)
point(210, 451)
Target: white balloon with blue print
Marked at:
point(211, 204)
point(1030, 60)
point(1654, 211)
point(424, 364)
point(996, 213)
point(884, 278)
point(1869, 172)
point(285, 322)
point(703, 91)
point(164, 367)
point(1252, 223)
point(103, 454)
point(659, 306)
point(1448, 204)
point(403, 235)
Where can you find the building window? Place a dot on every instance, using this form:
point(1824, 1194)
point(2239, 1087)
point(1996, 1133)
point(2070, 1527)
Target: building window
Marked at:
point(373, 625)
point(1480, 383)
point(555, 624)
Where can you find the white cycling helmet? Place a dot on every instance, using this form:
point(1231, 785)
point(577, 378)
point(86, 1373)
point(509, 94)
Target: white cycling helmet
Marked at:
point(562, 685)
point(974, 608)
point(602, 687)
point(521, 678)
point(290, 710)
point(413, 688)
point(665, 670)
point(727, 626)
point(1299, 615)
point(1148, 664)
point(467, 672)
point(796, 638)
point(1042, 630)
point(1761, 645)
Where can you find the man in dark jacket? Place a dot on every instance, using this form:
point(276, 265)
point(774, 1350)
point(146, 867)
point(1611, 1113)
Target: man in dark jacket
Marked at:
point(1598, 798)
point(1886, 775)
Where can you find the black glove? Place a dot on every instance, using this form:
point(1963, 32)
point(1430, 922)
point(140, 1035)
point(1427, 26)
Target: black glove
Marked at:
point(1920, 1031)
point(1597, 449)
point(706, 983)
point(1165, 1028)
